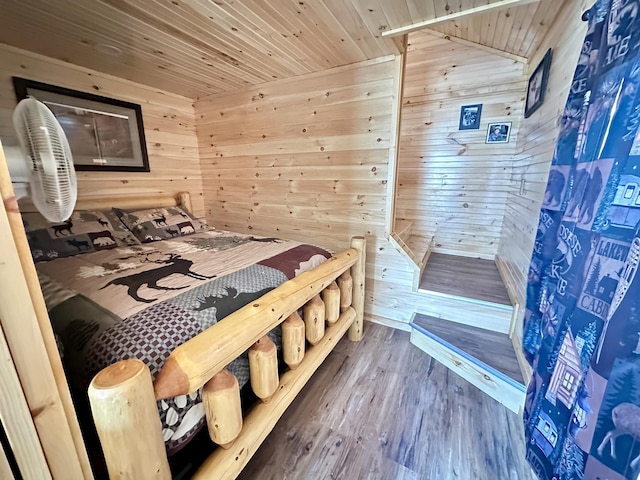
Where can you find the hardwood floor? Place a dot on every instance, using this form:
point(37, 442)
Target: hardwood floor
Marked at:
point(465, 277)
point(383, 409)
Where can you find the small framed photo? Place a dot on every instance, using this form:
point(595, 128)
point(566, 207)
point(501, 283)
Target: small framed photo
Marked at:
point(498, 132)
point(538, 85)
point(104, 134)
point(470, 117)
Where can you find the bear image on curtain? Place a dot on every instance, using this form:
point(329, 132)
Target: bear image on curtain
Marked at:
point(581, 331)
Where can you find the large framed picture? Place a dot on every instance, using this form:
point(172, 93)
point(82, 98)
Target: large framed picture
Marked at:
point(104, 134)
point(538, 85)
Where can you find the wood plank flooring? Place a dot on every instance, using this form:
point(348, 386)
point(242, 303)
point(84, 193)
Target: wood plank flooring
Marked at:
point(464, 277)
point(383, 409)
point(493, 348)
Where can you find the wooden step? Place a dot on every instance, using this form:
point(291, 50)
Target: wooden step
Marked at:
point(485, 359)
point(465, 290)
point(467, 311)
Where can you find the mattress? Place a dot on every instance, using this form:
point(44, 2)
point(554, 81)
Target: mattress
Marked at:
point(143, 301)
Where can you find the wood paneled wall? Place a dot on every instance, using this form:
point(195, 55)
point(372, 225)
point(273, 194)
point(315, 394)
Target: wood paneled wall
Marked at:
point(307, 158)
point(304, 158)
point(536, 143)
point(453, 185)
point(168, 120)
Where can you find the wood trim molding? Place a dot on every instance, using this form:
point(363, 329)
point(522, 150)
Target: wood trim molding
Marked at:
point(457, 15)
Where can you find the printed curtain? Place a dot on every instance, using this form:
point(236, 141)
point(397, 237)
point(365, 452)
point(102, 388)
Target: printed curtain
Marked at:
point(582, 321)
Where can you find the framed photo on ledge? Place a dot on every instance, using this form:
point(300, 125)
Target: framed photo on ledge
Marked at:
point(104, 134)
point(537, 85)
point(470, 117)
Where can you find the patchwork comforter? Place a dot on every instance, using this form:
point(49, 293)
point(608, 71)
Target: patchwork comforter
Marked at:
point(143, 301)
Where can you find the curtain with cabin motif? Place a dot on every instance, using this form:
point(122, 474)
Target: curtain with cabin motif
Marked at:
point(582, 321)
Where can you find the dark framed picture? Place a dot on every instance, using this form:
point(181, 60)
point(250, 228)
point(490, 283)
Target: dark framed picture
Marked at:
point(498, 132)
point(104, 134)
point(537, 85)
point(470, 117)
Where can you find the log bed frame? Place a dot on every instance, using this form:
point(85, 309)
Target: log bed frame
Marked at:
point(123, 396)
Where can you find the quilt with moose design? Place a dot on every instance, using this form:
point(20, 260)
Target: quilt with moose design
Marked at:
point(142, 301)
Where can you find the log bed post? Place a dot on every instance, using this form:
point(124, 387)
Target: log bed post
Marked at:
point(126, 416)
point(358, 275)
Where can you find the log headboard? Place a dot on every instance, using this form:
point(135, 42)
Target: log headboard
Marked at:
point(124, 202)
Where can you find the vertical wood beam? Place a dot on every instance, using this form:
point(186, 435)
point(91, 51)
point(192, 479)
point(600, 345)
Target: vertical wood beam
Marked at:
point(33, 347)
point(17, 422)
point(394, 146)
point(125, 413)
point(358, 274)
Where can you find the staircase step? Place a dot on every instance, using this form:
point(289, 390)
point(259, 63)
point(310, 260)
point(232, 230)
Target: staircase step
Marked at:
point(467, 311)
point(485, 359)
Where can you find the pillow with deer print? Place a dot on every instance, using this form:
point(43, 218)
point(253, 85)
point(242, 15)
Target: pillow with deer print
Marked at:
point(86, 231)
point(153, 224)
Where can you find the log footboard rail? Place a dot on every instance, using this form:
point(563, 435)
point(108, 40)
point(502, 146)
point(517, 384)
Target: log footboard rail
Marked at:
point(123, 396)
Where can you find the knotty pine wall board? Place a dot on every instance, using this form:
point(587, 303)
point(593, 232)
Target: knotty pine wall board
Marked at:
point(169, 123)
point(319, 174)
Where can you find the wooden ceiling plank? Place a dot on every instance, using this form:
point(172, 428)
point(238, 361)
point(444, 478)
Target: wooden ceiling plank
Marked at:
point(37, 66)
point(421, 10)
point(548, 12)
point(319, 33)
point(340, 32)
point(506, 19)
point(127, 36)
point(165, 81)
point(465, 13)
point(274, 14)
point(353, 23)
point(150, 17)
point(373, 17)
point(518, 17)
point(242, 43)
point(498, 26)
point(524, 26)
point(269, 35)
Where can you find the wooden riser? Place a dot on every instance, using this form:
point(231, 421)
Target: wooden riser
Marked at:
point(468, 311)
point(497, 385)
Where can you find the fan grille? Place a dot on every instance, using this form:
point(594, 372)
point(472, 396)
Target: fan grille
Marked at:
point(52, 176)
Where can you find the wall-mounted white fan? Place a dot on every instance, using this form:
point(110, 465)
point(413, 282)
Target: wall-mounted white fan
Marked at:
point(44, 161)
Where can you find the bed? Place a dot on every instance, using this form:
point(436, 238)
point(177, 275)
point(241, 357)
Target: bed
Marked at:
point(172, 329)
